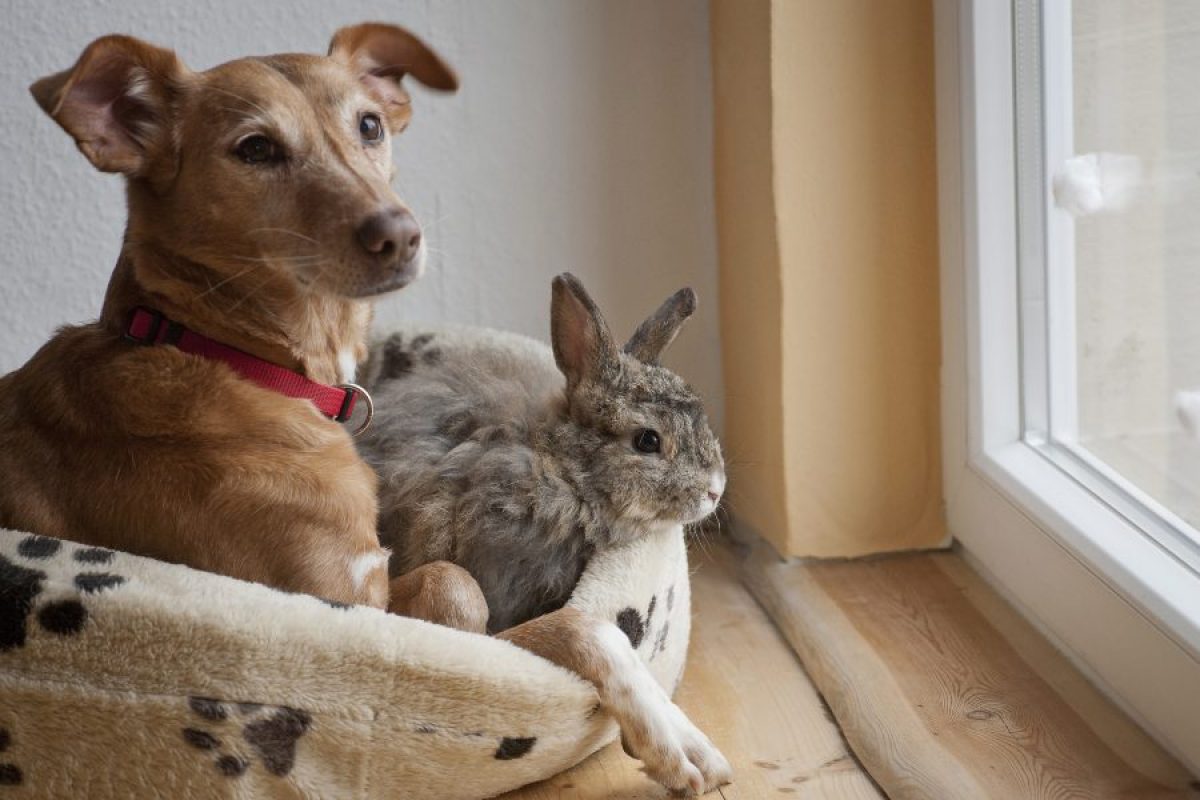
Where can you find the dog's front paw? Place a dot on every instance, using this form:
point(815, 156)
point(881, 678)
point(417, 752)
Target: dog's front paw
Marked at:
point(714, 768)
point(673, 751)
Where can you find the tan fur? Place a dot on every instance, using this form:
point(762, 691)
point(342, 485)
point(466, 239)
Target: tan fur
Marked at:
point(442, 593)
point(149, 450)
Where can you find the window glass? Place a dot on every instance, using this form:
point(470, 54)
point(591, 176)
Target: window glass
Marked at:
point(1132, 187)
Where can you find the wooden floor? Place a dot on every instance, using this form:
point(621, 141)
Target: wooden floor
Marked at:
point(944, 691)
point(745, 688)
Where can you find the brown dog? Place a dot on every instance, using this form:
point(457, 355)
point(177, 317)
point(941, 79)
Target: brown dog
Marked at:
point(260, 213)
point(260, 218)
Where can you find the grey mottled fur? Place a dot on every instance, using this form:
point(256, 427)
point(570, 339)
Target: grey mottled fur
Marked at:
point(489, 459)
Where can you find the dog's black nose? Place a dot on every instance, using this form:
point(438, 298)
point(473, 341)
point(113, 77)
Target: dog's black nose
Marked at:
point(391, 233)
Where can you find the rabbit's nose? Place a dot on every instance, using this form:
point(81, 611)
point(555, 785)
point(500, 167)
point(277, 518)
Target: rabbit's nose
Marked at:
point(716, 487)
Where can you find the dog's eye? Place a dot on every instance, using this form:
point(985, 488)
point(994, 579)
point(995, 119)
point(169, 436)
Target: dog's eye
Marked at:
point(647, 441)
point(370, 128)
point(257, 149)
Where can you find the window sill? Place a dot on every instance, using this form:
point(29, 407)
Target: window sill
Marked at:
point(1156, 582)
point(1123, 610)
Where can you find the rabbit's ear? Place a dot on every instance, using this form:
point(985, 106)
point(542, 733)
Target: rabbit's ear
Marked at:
point(583, 347)
point(659, 330)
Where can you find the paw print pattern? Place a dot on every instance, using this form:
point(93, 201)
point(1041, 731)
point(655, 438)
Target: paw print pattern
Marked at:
point(636, 626)
point(630, 621)
point(509, 748)
point(400, 357)
point(514, 747)
point(268, 732)
point(20, 586)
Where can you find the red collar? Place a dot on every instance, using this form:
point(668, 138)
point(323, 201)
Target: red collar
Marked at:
point(149, 327)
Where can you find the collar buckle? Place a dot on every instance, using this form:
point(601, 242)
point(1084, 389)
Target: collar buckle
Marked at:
point(353, 392)
point(155, 320)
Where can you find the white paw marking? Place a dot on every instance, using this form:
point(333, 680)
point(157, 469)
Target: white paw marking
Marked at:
point(362, 566)
point(673, 751)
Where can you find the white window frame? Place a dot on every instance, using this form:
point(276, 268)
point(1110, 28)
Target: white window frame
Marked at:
point(1047, 275)
point(1122, 607)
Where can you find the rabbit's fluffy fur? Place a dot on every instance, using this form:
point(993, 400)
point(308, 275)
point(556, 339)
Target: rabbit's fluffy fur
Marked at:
point(489, 459)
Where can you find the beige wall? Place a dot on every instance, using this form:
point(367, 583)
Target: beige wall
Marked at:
point(749, 283)
point(829, 271)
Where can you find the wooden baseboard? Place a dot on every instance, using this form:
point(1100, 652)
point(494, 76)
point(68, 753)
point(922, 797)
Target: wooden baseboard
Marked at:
point(944, 691)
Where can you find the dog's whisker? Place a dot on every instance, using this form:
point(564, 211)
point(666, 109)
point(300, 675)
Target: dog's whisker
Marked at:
point(212, 288)
point(433, 223)
point(287, 231)
point(302, 259)
point(262, 284)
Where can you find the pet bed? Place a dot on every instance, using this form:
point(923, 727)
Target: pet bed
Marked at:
point(123, 677)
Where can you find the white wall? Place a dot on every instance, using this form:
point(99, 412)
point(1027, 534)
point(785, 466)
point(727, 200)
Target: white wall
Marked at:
point(581, 141)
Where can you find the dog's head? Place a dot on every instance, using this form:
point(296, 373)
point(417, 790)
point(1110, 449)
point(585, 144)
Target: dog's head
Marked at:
point(281, 163)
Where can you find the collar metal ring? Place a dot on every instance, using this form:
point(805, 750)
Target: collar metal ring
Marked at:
point(365, 395)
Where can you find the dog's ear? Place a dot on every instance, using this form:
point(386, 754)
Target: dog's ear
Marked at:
point(382, 55)
point(115, 102)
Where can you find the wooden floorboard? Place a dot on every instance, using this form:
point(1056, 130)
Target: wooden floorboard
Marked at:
point(745, 688)
point(944, 691)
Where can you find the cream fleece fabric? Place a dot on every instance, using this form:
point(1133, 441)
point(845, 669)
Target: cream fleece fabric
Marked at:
point(123, 677)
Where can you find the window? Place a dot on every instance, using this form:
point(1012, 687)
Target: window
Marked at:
point(1108, 194)
point(1069, 202)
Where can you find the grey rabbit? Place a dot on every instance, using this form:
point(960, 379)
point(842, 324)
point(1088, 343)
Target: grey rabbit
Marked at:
point(518, 461)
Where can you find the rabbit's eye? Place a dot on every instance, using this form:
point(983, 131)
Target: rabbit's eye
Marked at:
point(647, 441)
